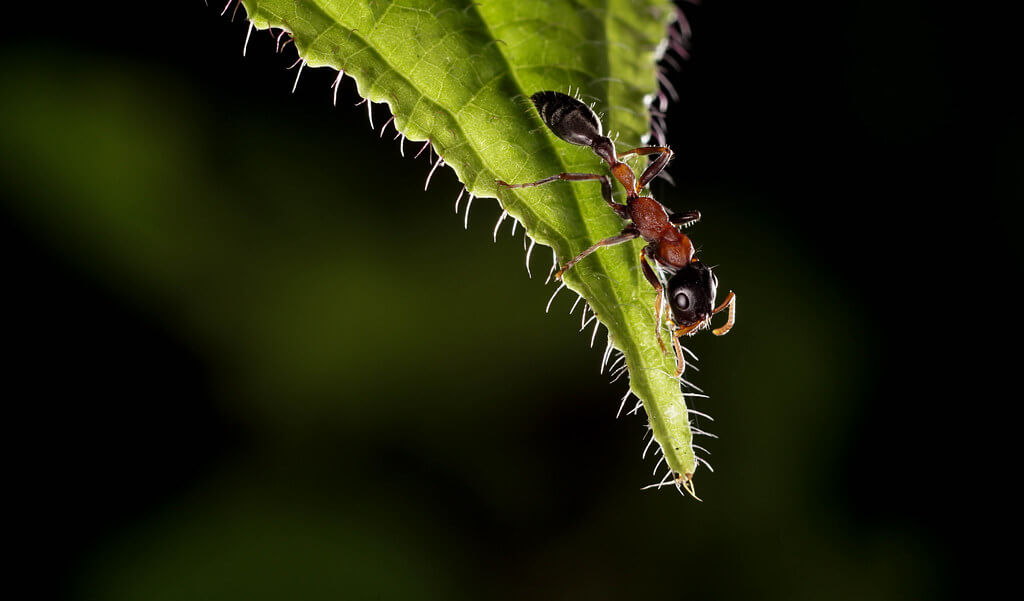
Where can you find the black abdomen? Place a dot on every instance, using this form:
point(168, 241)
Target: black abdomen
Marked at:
point(568, 118)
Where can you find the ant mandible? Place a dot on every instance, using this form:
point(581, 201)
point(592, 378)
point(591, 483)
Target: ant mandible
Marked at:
point(692, 287)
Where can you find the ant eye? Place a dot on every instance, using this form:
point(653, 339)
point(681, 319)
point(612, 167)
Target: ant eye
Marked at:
point(681, 300)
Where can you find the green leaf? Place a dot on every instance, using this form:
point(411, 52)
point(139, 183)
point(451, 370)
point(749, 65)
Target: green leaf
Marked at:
point(459, 74)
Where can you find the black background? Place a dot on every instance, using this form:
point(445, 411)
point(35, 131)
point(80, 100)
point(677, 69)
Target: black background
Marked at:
point(873, 142)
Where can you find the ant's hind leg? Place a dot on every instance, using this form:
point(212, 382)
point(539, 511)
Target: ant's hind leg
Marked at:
point(627, 234)
point(606, 187)
point(654, 168)
point(658, 303)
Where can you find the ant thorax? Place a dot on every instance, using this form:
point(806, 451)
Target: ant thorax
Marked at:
point(649, 218)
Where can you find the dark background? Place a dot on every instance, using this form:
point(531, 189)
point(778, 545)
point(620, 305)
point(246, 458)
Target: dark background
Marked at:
point(222, 384)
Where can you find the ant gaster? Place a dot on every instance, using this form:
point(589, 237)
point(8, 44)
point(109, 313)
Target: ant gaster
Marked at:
point(692, 287)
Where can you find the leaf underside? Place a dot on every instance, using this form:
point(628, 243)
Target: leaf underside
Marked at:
point(460, 73)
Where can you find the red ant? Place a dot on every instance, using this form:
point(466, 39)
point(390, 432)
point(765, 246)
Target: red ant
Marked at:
point(692, 287)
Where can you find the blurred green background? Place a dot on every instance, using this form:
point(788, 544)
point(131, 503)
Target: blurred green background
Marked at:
point(229, 381)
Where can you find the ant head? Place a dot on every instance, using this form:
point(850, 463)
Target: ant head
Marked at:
point(691, 294)
point(568, 118)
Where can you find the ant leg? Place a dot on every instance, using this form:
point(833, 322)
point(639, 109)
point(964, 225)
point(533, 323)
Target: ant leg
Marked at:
point(730, 301)
point(680, 360)
point(685, 219)
point(627, 234)
point(606, 187)
point(656, 283)
point(654, 168)
point(686, 330)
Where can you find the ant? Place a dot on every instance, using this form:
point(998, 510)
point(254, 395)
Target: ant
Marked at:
point(692, 287)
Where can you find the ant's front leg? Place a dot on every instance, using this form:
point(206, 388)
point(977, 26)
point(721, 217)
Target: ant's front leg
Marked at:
point(680, 360)
point(606, 187)
point(656, 283)
point(654, 168)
